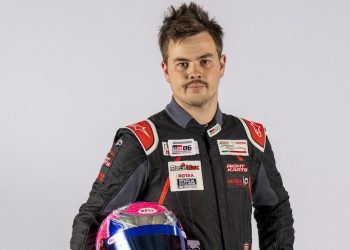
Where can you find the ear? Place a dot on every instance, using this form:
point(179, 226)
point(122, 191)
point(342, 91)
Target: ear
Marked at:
point(165, 71)
point(222, 61)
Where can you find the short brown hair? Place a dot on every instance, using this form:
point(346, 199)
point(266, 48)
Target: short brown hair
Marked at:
point(187, 20)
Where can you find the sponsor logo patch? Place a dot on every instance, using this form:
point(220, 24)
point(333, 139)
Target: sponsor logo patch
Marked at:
point(214, 130)
point(147, 210)
point(257, 128)
point(233, 147)
point(256, 133)
point(185, 175)
point(138, 127)
point(238, 182)
point(165, 148)
point(181, 147)
point(119, 142)
point(236, 168)
point(107, 161)
point(187, 183)
point(109, 158)
point(193, 245)
point(101, 177)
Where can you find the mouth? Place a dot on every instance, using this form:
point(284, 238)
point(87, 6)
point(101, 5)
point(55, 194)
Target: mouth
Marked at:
point(196, 85)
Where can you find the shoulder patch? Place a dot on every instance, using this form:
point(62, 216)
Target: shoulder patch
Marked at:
point(146, 133)
point(255, 132)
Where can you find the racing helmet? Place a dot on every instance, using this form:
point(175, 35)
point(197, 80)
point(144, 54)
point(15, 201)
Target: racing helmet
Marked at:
point(141, 225)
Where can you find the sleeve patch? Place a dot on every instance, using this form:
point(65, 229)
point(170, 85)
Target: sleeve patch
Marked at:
point(256, 133)
point(146, 133)
point(101, 177)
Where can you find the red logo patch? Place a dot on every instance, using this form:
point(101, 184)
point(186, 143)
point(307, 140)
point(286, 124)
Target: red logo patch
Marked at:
point(101, 177)
point(238, 182)
point(144, 132)
point(257, 132)
point(107, 161)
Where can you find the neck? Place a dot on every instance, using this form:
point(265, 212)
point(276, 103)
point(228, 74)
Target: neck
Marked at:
point(203, 114)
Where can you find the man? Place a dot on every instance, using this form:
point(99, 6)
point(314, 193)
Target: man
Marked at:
point(206, 166)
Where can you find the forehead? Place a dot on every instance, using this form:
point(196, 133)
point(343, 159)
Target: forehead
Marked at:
point(193, 46)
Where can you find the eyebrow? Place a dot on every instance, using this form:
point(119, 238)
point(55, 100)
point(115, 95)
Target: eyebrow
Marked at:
point(198, 58)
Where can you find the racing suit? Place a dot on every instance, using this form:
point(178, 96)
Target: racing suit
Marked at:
point(208, 175)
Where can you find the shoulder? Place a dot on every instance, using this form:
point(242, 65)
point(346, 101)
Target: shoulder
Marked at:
point(255, 132)
point(146, 134)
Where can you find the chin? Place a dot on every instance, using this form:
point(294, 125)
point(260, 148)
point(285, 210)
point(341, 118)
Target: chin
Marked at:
point(198, 103)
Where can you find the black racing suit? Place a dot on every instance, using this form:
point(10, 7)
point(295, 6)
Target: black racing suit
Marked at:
point(211, 191)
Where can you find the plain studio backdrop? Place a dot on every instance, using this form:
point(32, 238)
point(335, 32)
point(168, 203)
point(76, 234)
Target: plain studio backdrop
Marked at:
point(73, 72)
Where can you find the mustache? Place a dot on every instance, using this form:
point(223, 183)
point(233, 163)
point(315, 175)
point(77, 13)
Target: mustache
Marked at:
point(205, 83)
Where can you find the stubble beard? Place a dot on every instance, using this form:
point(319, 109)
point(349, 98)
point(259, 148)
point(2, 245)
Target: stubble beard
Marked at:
point(197, 102)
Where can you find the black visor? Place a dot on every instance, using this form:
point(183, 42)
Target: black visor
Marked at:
point(150, 237)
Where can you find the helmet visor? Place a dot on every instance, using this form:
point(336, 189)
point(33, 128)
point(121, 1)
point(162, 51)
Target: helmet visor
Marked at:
point(150, 237)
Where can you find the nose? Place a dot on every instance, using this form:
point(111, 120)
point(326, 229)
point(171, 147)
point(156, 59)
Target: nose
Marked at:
point(194, 73)
point(194, 76)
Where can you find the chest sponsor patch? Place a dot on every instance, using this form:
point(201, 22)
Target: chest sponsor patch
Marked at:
point(185, 175)
point(236, 168)
point(233, 147)
point(238, 182)
point(182, 147)
point(214, 130)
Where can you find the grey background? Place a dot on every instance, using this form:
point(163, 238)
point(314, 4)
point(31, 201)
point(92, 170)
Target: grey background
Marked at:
point(72, 72)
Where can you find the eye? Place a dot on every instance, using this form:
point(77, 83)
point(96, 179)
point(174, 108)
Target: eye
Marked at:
point(205, 62)
point(182, 65)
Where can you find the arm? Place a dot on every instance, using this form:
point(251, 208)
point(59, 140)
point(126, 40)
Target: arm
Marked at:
point(272, 208)
point(122, 177)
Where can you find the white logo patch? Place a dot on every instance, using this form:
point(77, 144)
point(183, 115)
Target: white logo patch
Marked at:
point(214, 130)
point(165, 148)
point(185, 175)
point(233, 147)
point(193, 244)
point(182, 147)
point(118, 143)
point(147, 210)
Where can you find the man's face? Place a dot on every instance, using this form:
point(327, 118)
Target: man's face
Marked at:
point(194, 70)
